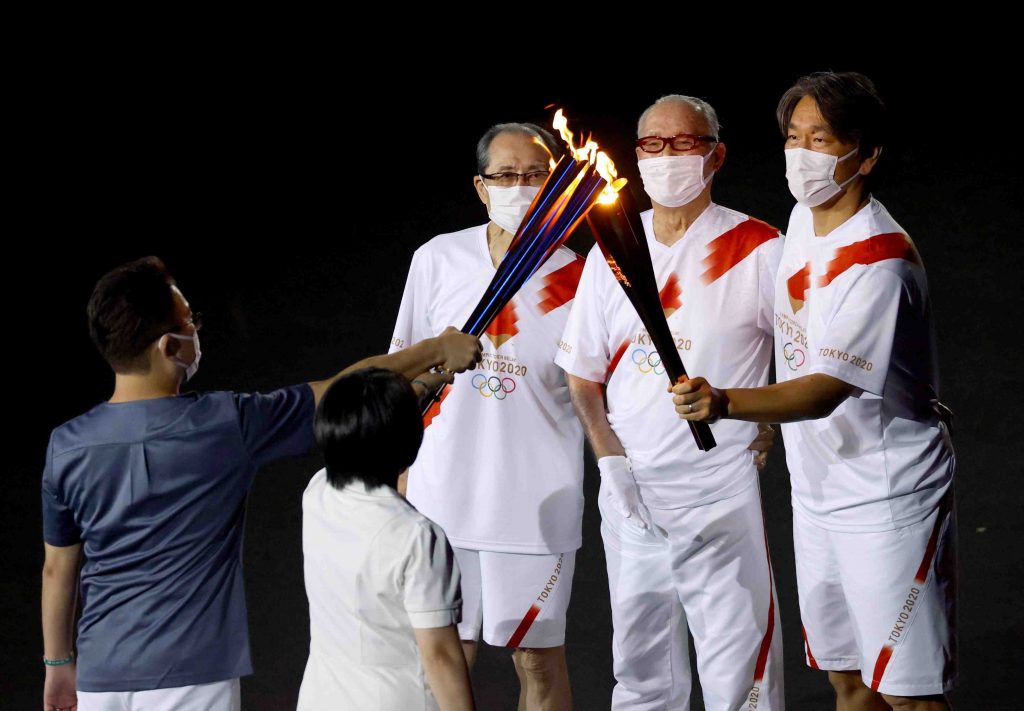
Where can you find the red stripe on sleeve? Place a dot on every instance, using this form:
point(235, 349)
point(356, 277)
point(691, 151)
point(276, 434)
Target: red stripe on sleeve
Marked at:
point(732, 247)
point(891, 245)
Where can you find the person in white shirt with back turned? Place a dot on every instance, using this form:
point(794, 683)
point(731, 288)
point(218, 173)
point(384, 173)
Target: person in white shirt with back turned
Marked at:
point(382, 581)
point(867, 440)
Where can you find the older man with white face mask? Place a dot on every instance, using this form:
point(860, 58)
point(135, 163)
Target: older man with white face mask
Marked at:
point(501, 467)
point(683, 530)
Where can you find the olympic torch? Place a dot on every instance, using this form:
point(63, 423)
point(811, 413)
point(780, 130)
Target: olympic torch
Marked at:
point(574, 186)
point(620, 235)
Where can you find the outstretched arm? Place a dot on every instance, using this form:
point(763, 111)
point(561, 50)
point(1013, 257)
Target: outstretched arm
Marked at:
point(453, 350)
point(806, 398)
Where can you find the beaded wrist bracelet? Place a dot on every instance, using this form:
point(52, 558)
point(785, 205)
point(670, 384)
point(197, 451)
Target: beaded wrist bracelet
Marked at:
point(59, 662)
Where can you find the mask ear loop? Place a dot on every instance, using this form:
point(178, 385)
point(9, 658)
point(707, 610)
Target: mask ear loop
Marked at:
point(704, 181)
point(842, 186)
point(178, 361)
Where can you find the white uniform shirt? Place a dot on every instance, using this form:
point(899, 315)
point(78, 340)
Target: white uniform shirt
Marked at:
point(501, 466)
point(717, 289)
point(375, 568)
point(854, 305)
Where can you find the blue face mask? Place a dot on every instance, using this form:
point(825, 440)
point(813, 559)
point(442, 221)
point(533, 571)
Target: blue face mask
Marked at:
point(190, 368)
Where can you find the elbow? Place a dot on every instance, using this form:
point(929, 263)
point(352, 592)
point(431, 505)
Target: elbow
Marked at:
point(822, 394)
point(825, 405)
point(54, 572)
point(441, 658)
point(583, 391)
point(822, 409)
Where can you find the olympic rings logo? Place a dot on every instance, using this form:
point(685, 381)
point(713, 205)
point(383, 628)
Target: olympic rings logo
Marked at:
point(493, 386)
point(794, 356)
point(647, 362)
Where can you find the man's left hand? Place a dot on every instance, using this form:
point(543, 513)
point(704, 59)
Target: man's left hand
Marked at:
point(762, 444)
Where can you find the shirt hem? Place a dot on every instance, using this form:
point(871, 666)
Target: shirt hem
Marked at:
point(895, 524)
point(432, 619)
point(161, 682)
point(734, 488)
point(506, 547)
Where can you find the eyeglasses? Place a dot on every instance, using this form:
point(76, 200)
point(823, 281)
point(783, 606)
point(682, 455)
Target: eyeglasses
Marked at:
point(535, 178)
point(679, 142)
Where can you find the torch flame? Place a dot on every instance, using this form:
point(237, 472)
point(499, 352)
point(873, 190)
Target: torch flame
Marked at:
point(591, 153)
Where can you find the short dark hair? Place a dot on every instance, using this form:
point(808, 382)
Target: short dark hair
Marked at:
point(483, 146)
point(130, 307)
point(369, 427)
point(848, 101)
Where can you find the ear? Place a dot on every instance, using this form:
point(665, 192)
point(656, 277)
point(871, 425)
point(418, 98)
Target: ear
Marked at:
point(868, 164)
point(481, 191)
point(167, 346)
point(719, 160)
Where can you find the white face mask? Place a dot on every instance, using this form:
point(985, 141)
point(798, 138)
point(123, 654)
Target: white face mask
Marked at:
point(508, 206)
point(190, 368)
point(673, 181)
point(812, 175)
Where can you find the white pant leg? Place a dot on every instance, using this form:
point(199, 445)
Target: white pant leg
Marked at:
point(722, 571)
point(649, 644)
point(104, 700)
point(216, 696)
point(830, 641)
point(901, 590)
point(525, 598)
point(472, 594)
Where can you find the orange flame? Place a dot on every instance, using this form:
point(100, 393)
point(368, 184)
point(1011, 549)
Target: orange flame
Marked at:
point(591, 152)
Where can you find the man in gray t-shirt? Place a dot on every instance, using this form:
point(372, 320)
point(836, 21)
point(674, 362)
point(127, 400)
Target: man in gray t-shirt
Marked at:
point(144, 501)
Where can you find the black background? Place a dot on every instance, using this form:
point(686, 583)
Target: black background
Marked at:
point(287, 191)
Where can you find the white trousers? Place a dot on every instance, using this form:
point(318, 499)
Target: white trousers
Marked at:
point(216, 696)
point(706, 568)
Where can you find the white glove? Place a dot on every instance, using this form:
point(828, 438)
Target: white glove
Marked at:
point(622, 490)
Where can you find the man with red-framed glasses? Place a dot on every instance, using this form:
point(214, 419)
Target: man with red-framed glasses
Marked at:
point(683, 530)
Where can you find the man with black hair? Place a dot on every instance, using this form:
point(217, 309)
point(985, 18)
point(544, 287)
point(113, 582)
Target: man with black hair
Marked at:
point(381, 579)
point(149, 488)
point(867, 441)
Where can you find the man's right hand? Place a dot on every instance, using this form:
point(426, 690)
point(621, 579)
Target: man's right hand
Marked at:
point(622, 490)
point(459, 351)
